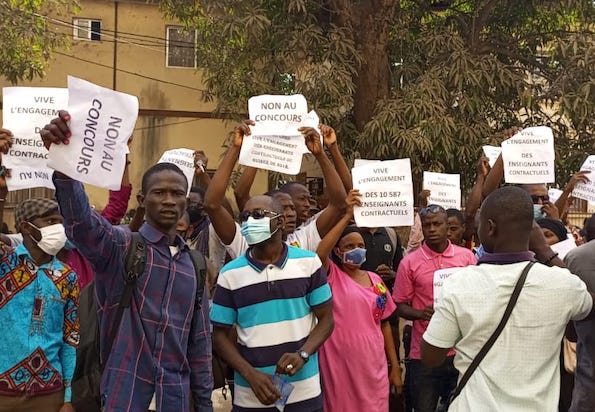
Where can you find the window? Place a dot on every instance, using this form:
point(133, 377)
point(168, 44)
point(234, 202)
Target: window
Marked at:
point(181, 47)
point(86, 29)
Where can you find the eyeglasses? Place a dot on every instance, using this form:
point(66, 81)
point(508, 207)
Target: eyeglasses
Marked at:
point(537, 198)
point(256, 214)
point(433, 209)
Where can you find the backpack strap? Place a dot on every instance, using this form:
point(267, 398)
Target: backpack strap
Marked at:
point(135, 266)
point(200, 269)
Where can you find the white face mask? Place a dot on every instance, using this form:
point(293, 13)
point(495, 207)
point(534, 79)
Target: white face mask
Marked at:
point(53, 238)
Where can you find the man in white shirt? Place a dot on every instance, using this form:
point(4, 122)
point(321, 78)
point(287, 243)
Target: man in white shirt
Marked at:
point(521, 371)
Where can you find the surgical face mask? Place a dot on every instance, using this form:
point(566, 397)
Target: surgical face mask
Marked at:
point(53, 238)
point(356, 256)
point(537, 213)
point(257, 230)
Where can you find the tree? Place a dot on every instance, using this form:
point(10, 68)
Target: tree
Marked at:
point(26, 38)
point(426, 79)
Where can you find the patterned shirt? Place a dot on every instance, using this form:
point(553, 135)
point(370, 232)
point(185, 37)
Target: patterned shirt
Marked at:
point(38, 314)
point(272, 308)
point(163, 346)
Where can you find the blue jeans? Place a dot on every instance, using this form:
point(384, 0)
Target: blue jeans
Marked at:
point(428, 385)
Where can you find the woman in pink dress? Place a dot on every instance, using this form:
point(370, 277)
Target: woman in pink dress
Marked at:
point(353, 360)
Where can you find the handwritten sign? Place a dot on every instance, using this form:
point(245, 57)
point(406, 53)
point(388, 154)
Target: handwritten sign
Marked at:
point(445, 189)
point(529, 156)
point(25, 111)
point(492, 153)
point(102, 122)
point(184, 159)
point(439, 277)
point(386, 192)
point(275, 143)
point(586, 191)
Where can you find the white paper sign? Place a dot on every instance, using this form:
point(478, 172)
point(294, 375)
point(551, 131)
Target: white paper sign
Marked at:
point(26, 110)
point(27, 178)
point(554, 194)
point(184, 159)
point(565, 246)
point(529, 156)
point(492, 153)
point(386, 190)
point(363, 162)
point(275, 143)
point(586, 191)
point(439, 277)
point(102, 122)
point(445, 189)
point(312, 120)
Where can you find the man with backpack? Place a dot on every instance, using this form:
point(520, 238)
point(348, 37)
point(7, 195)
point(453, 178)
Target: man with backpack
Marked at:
point(161, 347)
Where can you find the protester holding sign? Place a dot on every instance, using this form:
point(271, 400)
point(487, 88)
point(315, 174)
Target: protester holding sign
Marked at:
point(306, 237)
point(355, 356)
point(414, 295)
point(169, 360)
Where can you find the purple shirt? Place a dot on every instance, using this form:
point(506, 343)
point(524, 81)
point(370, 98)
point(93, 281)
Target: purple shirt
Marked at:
point(163, 345)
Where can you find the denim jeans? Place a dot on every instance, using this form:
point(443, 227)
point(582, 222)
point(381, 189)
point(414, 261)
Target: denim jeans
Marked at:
point(428, 385)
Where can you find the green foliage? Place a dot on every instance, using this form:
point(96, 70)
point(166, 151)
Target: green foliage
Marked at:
point(26, 37)
point(425, 79)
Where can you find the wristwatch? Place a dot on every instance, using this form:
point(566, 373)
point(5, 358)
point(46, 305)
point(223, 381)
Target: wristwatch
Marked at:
point(304, 355)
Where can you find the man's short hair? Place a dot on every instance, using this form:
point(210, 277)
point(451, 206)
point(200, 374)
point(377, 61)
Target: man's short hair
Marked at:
point(457, 214)
point(160, 167)
point(289, 186)
point(510, 205)
point(199, 190)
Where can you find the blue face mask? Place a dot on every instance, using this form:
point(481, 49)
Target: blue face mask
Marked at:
point(537, 213)
point(356, 256)
point(256, 231)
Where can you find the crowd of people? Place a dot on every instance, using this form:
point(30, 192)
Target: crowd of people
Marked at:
point(300, 308)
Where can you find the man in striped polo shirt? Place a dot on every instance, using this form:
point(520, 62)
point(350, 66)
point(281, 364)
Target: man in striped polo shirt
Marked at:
point(278, 299)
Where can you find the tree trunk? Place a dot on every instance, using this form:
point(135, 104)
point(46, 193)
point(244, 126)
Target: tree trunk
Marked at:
point(371, 21)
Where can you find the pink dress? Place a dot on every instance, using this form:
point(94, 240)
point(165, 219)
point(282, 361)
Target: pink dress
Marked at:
point(353, 363)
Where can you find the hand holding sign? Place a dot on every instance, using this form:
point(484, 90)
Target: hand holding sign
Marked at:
point(240, 131)
point(312, 139)
point(200, 162)
point(328, 135)
point(352, 200)
point(6, 139)
point(57, 131)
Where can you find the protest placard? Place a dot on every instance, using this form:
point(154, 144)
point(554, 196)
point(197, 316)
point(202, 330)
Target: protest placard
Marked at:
point(439, 277)
point(27, 178)
point(363, 162)
point(529, 156)
point(586, 191)
point(492, 153)
point(554, 194)
point(102, 121)
point(275, 143)
point(386, 190)
point(445, 189)
point(25, 111)
point(564, 246)
point(184, 159)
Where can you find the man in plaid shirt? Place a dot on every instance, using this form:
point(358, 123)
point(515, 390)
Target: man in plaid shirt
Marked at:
point(162, 350)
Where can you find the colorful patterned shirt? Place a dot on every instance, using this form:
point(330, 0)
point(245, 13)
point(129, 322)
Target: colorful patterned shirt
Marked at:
point(38, 314)
point(163, 345)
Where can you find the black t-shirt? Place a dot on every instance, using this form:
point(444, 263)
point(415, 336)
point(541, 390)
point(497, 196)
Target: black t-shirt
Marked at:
point(380, 250)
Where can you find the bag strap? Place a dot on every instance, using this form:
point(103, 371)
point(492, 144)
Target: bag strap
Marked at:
point(490, 342)
point(135, 266)
point(200, 269)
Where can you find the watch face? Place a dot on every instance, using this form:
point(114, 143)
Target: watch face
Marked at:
point(304, 355)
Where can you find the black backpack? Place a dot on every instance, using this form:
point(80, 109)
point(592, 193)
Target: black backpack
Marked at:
point(86, 395)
